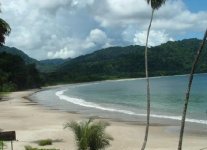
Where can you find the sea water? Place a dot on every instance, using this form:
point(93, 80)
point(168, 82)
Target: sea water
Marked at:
point(126, 99)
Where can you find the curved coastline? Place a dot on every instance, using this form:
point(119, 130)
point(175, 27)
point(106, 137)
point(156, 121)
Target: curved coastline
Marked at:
point(174, 119)
point(34, 122)
point(83, 103)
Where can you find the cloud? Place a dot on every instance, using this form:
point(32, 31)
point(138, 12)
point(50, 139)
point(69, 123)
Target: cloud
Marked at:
point(74, 47)
point(172, 16)
point(97, 37)
point(155, 38)
point(121, 13)
point(63, 53)
point(69, 28)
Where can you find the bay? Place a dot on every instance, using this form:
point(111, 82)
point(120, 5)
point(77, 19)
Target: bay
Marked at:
point(126, 99)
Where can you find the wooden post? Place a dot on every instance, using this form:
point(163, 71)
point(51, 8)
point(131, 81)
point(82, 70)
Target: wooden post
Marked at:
point(11, 145)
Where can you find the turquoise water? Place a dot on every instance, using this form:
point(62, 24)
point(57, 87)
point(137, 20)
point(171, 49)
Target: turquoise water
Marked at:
point(126, 99)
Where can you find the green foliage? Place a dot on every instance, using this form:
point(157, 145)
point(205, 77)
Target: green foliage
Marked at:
point(31, 148)
point(156, 4)
point(15, 51)
point(42, 66)
point(9, 87)
point(90, 135)
point(2, 143)
point(4, 31)
point(44, 142)
point(16, 75)
point(170, 58)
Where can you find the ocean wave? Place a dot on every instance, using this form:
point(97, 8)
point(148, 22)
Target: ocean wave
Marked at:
point(83, 103)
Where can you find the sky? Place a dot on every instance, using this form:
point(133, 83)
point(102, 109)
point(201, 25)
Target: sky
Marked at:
point(47, 29)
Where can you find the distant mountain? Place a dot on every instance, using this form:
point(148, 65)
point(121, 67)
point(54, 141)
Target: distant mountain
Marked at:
point(120, 62)
point(15, 51)
point(50, 65)
point(43, 65)
point(128, 62)
point(53, 61)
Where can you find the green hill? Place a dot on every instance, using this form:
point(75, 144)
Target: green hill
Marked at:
point(43, 66)
point(15, 51)
point(128, 62)
point(15, 74)
point(170, 58)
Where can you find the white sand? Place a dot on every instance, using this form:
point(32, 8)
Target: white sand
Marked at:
point(33, 122)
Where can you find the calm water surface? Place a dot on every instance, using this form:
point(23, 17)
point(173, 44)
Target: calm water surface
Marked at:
point(126, 99)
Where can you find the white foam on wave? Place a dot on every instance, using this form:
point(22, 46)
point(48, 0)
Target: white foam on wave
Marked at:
point(83, 103)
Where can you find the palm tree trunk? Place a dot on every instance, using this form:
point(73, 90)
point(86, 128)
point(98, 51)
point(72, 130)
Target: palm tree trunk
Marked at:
point(189, 89)
point(148, 84)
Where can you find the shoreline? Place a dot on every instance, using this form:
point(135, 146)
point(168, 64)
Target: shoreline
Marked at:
point(120, 79)
point(138, 118)
point(33, 122)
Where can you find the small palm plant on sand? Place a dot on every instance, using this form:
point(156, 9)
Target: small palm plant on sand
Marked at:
point(155, 4)
point(90, 135)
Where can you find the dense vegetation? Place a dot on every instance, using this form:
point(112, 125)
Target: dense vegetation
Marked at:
point(112, 63)
point(128, 62)
point(32, 148)
point(15, 74)
point(42, 66)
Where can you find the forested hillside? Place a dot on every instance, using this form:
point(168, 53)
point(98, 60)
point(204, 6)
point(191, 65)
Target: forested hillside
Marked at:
point(15, 74)
point(128, 62)
point(170, 58)
point(48, 65)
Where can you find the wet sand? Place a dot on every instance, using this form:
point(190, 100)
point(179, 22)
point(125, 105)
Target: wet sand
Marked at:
point(33, 122)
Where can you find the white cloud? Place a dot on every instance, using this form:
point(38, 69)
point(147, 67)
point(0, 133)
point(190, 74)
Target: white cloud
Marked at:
point(75, 47)
point(97, 36)
point(63, 53)
point(121, 13)
point(155, 38)
point(172, 16)
point(69, 28)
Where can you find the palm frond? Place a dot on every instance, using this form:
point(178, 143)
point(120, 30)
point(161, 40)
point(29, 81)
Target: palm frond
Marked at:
point(156, 4)
point(90, 135)
point(98, 138)
point(4, 30)
point(76, 128)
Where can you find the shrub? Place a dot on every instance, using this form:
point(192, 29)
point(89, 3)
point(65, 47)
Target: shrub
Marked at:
point(9, 87)
point(44, 142)
point(2, 143)
point(90, 135)
point(31, 148)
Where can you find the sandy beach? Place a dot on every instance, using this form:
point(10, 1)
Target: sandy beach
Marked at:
point(33, 122)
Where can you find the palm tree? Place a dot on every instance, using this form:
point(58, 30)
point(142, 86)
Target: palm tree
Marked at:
point(89, 135)
point(155, 4)
point(197, 56)
point(4, 31)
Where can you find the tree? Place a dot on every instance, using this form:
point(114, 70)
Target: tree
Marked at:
point(16, 74)
point(89, 135)
point(155, 4)
point(187, 96)
point(4, 31)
